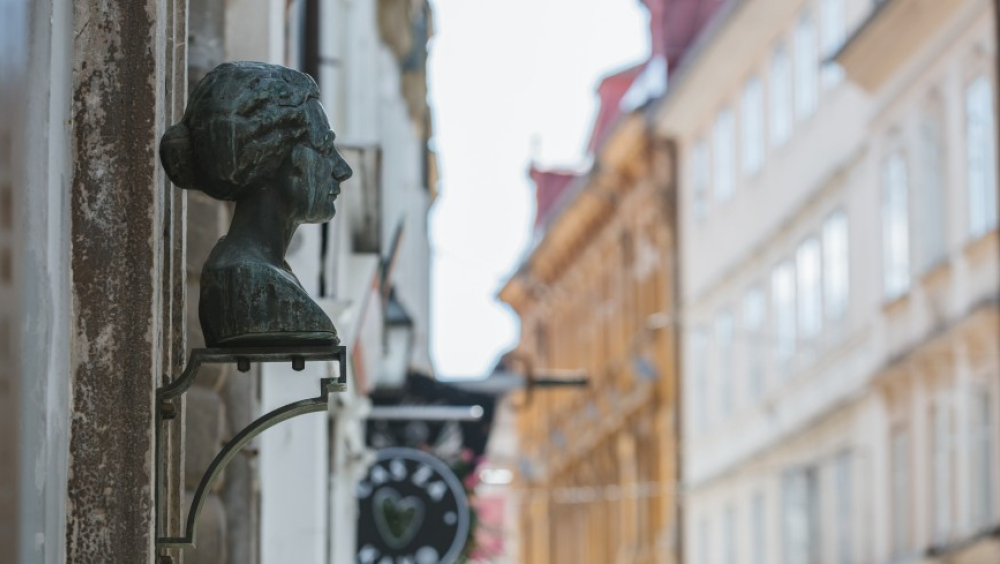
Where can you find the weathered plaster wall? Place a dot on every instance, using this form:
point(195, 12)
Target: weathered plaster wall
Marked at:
point(116, 226)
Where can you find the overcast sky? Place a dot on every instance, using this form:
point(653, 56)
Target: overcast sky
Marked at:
point(502, 74)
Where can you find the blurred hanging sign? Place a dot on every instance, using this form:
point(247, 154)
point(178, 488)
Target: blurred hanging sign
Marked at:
point(459, 442)
point(412, 508)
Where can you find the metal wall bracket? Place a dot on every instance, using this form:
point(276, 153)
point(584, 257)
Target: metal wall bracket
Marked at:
point(242, 357)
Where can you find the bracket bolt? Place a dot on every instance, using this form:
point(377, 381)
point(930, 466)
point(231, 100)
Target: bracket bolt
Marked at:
point(298, 363)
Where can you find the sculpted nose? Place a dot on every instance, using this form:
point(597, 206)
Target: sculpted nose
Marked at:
point(342, 171)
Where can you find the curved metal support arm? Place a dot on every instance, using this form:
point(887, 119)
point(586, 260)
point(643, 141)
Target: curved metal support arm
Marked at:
point(232, 448)
point(242, 357)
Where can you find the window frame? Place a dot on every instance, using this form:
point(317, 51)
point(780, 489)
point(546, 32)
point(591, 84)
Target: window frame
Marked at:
point(982, 466)
point(833, 34)
point(809, 289)
point(836, 251)
point(700, 374)
point(981, 209)
point(805, 481)
point(752, 135)
point(753, 317)
point(780, 96)
point(724, 156)
point(724, 332)
point(805, 66)
point(785, 313)
point(932, 200)
point(895, 215)
point(701, 179)
point(901, 490)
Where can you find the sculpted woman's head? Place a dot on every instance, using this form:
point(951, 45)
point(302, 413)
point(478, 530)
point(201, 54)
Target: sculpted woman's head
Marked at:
point(256, 134)
point(254, 126)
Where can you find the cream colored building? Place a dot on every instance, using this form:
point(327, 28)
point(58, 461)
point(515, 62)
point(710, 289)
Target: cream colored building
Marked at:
point(839, 283)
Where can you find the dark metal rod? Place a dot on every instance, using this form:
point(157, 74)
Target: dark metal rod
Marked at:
point(557, 382)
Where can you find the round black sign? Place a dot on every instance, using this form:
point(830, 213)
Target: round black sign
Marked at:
point(413, 510)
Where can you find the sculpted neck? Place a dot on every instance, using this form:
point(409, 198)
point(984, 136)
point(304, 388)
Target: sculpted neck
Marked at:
point(261, 225)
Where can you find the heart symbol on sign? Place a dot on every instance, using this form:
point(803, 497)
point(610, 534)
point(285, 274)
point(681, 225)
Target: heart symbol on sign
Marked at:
point(397, 518)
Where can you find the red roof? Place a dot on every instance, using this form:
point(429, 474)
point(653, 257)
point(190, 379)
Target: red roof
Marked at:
point(549, 186)
point(675, 24)
point(673, 28)
point(610, 91)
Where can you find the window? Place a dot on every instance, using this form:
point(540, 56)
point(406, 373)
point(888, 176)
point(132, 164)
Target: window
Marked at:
point(752, 110)
point(724, 156)
point(931, 200)
point(806, 63)
point(783, 300)
point(810, 297)
point(699, 179)
point(943, 452)
point(895, 227)
point(836, 266)
point(730, 535)
point(980, 147)
point(704, 542)
point(699, 360)
point(843, 485)
point(758, 525)
point(780, 97)
point(801, 516)
point(900, 492)
point(982, 459)
point(834, 31)
point(724, 352)
point(753, 340)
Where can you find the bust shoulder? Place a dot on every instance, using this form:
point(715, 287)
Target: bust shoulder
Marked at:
point(251, 303)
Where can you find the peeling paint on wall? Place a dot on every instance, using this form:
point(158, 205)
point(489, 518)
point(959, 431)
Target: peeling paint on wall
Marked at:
point(115, 219)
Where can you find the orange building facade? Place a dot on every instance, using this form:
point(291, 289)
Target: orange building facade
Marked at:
point(598, 465)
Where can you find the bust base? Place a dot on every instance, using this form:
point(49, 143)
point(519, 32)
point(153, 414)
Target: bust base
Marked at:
point(281, 339)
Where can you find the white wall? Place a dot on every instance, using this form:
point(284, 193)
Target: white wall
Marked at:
point(44, 273)
point(295, 456)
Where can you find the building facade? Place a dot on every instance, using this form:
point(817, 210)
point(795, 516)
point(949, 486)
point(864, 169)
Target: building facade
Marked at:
point(597, 470)
point(597, 466)
point(839, 282)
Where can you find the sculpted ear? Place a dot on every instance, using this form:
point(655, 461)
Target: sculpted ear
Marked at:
point(177, 156)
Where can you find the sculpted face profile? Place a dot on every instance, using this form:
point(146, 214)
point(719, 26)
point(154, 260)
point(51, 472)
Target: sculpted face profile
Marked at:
point(256, 134)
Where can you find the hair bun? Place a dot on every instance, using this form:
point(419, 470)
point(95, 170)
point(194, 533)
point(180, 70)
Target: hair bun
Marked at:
point(177, 156)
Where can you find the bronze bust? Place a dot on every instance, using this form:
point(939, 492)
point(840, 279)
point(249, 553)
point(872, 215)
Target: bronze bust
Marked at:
point(256, 134)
